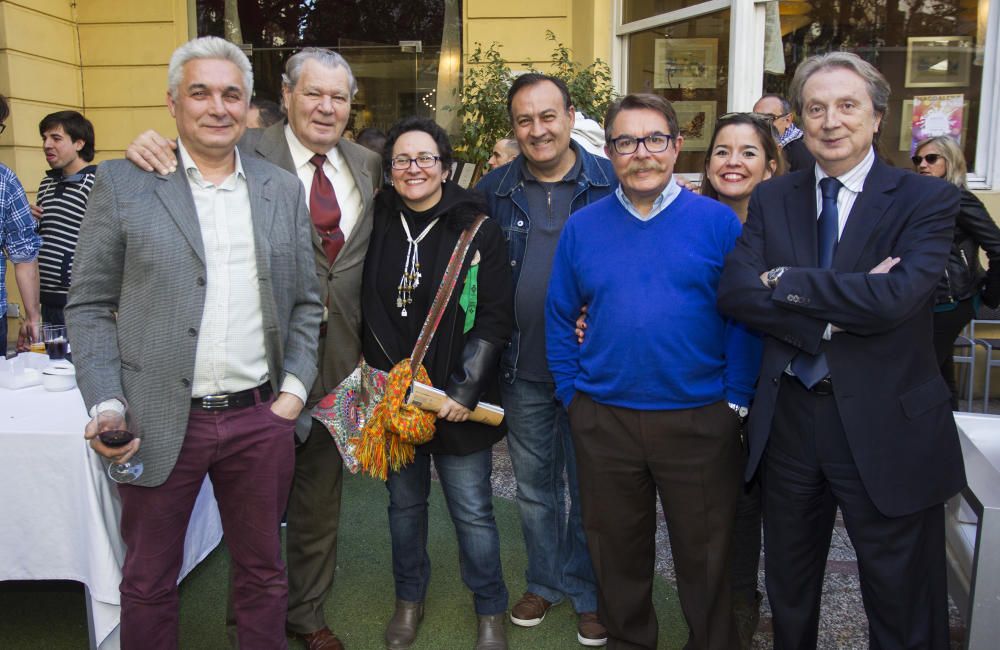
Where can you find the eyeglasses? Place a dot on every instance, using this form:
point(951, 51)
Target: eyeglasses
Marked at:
point(424, 161)
point(3, 127)
point(627, 144)
point(931, 158)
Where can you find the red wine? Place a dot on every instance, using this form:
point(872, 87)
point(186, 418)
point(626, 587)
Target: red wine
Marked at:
point(116, 437)
point(56, 349)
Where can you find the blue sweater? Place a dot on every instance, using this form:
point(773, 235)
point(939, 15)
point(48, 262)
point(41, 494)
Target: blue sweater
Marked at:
point(655, 340)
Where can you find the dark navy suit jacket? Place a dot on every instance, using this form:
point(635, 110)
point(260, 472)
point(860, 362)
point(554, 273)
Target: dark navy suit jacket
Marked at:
point(893, 402)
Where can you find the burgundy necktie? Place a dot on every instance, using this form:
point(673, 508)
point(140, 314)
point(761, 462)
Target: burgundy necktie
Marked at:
point(325, 211)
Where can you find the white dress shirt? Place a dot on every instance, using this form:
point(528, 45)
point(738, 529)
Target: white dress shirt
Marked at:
point(336, 169)
point(230, 356)
point(853, 182)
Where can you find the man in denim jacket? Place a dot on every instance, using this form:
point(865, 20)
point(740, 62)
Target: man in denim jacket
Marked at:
point(532, 197)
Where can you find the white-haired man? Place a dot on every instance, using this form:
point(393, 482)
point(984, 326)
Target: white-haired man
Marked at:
point(340, 178)
point(195, 306)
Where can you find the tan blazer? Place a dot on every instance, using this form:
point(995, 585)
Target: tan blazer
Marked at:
point(340, 284)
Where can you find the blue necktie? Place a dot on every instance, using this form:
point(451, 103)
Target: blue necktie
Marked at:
point(808, 368)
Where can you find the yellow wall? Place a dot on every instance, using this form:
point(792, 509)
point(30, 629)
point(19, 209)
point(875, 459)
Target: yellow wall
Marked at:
point(519, 26)
point(105, 58)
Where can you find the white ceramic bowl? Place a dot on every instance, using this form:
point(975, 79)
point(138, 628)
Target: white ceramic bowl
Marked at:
point(59, 376)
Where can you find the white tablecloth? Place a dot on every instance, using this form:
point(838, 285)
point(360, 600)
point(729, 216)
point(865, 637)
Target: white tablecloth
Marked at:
point(61, 511)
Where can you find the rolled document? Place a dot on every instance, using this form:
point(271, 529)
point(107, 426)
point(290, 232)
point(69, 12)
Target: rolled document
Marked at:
point(429, 398)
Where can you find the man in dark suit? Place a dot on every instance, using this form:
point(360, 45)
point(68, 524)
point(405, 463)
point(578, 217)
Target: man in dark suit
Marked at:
point(194, 302)
point(850, 410)
point(317, 89)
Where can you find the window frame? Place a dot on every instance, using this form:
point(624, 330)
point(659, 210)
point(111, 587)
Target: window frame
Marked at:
point(746, 70)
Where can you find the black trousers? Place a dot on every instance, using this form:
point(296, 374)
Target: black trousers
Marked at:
point(691, 457)
point(809, 471)
point(947, 326)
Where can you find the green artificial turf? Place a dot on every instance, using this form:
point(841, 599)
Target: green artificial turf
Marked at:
point(52, 615)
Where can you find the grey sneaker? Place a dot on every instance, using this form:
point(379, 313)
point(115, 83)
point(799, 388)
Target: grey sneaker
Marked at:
point(492, 632)
point(401, 631)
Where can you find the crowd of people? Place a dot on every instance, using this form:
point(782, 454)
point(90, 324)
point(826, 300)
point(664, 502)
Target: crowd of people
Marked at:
point(734, 352)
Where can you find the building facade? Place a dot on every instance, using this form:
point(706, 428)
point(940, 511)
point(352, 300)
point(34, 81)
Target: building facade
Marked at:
point(108, 58)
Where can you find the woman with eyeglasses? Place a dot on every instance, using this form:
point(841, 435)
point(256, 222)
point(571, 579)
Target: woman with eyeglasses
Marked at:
point(417, 222)
point(964, 283)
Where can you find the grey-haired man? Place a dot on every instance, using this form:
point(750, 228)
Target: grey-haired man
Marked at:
point(317, 89)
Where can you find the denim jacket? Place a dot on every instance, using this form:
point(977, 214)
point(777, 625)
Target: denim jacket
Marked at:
point(503, 189)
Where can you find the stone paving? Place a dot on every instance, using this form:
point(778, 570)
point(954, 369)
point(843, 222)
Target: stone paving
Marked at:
point(842, 618)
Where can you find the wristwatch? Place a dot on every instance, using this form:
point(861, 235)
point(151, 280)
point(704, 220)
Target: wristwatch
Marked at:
point(741, 411)
point(774, 275)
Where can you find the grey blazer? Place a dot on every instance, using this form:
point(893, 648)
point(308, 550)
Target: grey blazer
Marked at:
point(340, 284)
point(138, 294)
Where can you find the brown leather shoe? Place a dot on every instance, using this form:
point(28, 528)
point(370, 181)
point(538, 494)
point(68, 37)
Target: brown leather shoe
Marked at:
point(492, 632)
point(401, 631)
point(321, 639)
point(590, 631)
point(530, 610)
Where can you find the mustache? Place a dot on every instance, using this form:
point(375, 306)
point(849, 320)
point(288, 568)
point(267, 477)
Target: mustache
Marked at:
point(636, 167)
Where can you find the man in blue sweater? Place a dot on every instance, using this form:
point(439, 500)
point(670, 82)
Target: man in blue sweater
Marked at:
point(657, 390)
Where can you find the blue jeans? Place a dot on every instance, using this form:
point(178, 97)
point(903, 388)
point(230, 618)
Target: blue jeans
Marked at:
point(469, 495)
point(540, 449)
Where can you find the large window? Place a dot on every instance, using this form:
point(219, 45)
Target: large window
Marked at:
point(936, 54)
point(686, 62)
point(406, 56)
point(929, 51)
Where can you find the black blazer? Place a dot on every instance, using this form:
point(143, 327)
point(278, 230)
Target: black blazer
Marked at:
point(892, 399)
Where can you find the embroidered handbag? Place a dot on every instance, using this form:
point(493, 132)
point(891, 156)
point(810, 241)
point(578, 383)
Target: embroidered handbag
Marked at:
point(368, 415)
point(349, 406)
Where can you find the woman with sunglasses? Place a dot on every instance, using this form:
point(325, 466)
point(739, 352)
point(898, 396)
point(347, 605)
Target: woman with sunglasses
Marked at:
point(418, 220)
point(964, 283)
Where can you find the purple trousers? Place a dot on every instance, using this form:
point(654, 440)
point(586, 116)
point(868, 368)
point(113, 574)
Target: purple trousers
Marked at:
point(249, 453)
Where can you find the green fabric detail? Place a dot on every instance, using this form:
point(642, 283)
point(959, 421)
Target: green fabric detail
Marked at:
point(470, 298)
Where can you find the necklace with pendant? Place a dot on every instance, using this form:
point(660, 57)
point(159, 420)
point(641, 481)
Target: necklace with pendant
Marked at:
point(410, 279)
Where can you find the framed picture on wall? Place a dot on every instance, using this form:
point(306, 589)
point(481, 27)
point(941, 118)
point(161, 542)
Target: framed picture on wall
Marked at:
point(958, 121)
point(685, 63)
point(695, 121)
point(938, 61)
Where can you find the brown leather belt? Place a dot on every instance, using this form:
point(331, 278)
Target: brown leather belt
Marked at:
point(241, 399)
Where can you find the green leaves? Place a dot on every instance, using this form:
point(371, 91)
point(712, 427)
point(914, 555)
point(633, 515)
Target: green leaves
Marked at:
point(482, 100)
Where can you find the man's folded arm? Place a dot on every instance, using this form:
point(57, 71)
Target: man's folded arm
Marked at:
point(743, 297)
point(870, 303)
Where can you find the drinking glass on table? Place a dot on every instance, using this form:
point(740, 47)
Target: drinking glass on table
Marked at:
point(114, 433)
point(36, 336)
point(56, 343)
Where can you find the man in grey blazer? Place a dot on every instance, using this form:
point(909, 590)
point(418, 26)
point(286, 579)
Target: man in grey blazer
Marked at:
point(194, 303)
point(318, 86)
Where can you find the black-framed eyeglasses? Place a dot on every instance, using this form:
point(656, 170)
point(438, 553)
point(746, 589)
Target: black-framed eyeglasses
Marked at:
point(931, 158)
point(654, 143)
point(3, 127)
point(424, 161)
